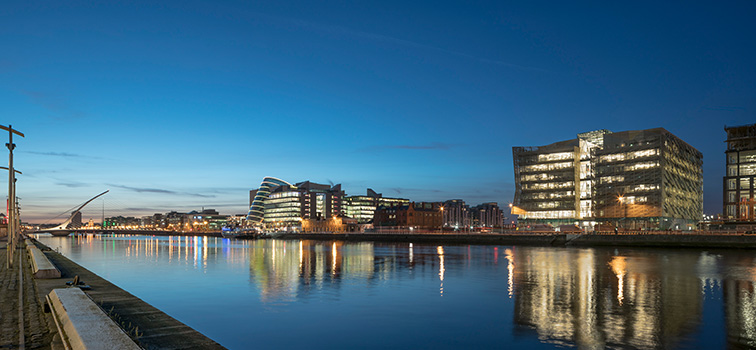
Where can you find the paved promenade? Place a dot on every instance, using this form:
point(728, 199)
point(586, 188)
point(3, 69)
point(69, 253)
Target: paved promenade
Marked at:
point(23, 322)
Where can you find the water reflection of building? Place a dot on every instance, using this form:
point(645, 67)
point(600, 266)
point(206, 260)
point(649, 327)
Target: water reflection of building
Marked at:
point(739, 299)
point(590, 299)
point(286, 270)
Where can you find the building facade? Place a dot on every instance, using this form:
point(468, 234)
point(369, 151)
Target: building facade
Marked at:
point(487, 215)
point(554, 183)
point(420, 215)
point(258, 197)
point(362, 208)
point(643, 179)
point(456, 214)
point(282, 206)
point(740, 173)
point(648, 179)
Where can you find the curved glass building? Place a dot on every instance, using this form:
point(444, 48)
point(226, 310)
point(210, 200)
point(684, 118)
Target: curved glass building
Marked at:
point(257, 209)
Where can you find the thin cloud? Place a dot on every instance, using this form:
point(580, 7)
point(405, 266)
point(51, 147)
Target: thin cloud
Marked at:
point(137, 209)
point(339, 30)
point(61, 154)
point(54, 103)
point(428, 147)
point(223, 190)
point(183, 209)
point(72, 184)
point(400, 190)
point(160, 191)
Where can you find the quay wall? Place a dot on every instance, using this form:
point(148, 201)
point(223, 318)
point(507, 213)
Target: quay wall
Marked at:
point(667, 240)
point(498, 239)
point(747, 241)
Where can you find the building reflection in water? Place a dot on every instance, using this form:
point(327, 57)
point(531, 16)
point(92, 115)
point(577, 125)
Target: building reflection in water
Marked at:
point(583, 297)
point(570, 297)
point(283, 270)
point(286, 270)
point(198, 252)
point(740, 305)
point(599, 298)
point(510, 271)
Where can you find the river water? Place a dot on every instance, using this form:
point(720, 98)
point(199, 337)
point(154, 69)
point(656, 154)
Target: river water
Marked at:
point(291, 294)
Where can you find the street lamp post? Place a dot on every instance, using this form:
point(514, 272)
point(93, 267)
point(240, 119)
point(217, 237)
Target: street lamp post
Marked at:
point(12, 215)
point(623, 207)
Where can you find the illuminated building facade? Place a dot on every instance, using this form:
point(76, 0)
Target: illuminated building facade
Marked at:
point(741, 171)
point(258, 197)
point(363, 208)
point(420, 215)
point(643, 179)
point(648, 179)
point(487, 215)
point(554, 183)
point(321, 201)
point(456, 214)
point(121, 222)
point(336, 224)
point(278, 204)
point(205, 220)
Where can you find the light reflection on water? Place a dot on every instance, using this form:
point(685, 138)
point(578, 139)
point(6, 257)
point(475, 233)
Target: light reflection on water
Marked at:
point(292, 294)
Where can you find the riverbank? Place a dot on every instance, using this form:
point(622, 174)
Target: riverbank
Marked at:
point(679, 240)
point(148, 326)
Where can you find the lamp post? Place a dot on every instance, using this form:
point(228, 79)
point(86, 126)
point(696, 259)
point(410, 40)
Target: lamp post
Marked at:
point(623, 206)
point(12, 225)
point(12, 215)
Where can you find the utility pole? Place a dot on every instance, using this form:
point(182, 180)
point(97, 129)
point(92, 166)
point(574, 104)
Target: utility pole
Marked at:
point(12, 239)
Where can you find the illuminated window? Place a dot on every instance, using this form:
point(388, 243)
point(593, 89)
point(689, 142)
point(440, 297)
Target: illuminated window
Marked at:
point(641, 166)
point(644, 153)
point(613, 158)
point(747, 169)
point(552, 214)
point(612, 179)
point(545, 167)
point(555, 156)
point(747, 156)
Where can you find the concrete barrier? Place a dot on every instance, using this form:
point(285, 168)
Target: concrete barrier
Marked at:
point(41, 266)
point(83, 325)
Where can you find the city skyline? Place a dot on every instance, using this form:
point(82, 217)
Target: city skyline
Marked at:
point(183, 106)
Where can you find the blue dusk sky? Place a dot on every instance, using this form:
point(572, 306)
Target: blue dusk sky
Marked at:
point(189, 104)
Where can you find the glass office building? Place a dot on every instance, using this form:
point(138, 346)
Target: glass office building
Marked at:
point(641, 179)
point(740, 173)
